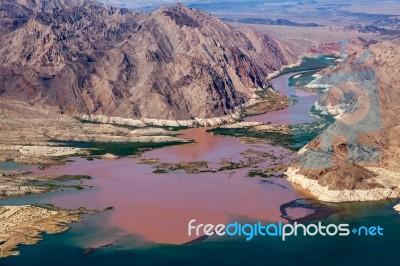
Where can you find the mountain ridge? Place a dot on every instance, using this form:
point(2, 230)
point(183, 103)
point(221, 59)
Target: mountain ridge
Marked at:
point(172, 63)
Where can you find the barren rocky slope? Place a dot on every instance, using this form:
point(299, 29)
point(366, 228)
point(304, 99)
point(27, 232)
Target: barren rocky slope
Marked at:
point(87, 58)
point(28, 134)
point(14, 13)
point(357, 157)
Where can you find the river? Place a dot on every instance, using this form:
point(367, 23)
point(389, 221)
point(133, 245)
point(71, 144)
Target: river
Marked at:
point(293, 114)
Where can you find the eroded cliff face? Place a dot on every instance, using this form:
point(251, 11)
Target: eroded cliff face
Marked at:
point(15, 13)
point(174, 63)
point(357, 157)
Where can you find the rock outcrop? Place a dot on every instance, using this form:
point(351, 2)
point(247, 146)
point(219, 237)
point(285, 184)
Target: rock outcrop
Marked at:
point(23, 225)
point(38, 135)
point(175, 63)
point(357, 157)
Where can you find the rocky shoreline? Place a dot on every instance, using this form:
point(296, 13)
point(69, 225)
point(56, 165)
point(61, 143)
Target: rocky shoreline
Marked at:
point(21, 183)
point(270, 100)
point(145, 122)
point(23, 225)
point(44, 136)
point(388, 190)
point(357, 157)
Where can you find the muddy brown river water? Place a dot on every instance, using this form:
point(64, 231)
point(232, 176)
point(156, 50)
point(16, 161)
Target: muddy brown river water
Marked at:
point(157, 207)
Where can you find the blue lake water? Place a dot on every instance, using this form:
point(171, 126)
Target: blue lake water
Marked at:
point(62, 249)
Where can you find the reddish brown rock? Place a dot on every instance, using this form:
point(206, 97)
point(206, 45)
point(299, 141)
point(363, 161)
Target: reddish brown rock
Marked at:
point(174, 63)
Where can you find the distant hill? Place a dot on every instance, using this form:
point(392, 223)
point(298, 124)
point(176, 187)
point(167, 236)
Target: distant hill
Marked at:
point(283, 22)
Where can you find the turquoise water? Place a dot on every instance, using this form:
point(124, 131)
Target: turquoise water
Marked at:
point(12, 166)
point(61, 249)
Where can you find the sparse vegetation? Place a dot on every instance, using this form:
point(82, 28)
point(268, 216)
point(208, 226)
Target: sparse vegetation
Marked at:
point(257, 173)
point(312, 63)
point(188, 167)
point(294, 138)
point(160, 171)
point(96, 149)
point(65, 178)
point(232, 166)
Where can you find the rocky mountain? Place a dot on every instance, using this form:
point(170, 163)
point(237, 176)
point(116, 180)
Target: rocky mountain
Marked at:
point(87, 58)
point(357, 157)
point(14, 13)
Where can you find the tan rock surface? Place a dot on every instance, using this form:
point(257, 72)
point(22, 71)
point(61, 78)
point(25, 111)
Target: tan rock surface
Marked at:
point(25, 224)
point(21, 183)
point(26, 133)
